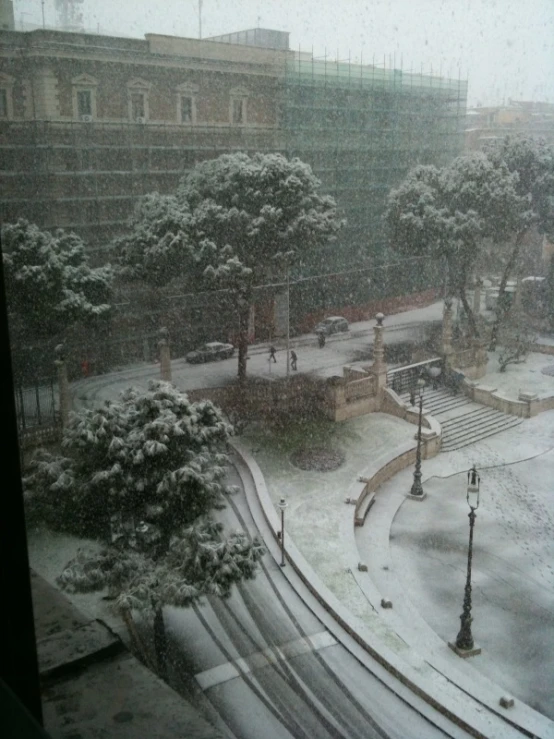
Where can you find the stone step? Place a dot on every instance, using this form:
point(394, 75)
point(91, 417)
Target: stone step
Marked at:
point(469, 436)
point(477, 414)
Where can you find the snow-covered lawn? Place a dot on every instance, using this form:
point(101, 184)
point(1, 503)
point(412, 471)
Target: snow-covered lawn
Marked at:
point(526, 377)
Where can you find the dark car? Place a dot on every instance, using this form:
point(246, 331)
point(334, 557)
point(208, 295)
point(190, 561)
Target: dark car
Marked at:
point(210, 352)
point(331, 325)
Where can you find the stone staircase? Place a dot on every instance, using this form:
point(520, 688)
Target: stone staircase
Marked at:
point(463, 422)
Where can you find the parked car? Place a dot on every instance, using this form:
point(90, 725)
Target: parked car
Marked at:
point(331, 325)
point(210, 352)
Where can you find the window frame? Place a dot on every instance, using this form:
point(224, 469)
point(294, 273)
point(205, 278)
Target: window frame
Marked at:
point(138, 86)
point(84, 83)
point(186, 90)
point(6, 85)
point(238, 95)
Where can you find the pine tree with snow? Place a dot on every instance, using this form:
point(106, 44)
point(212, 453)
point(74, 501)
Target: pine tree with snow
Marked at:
point(233, 221)
point(531, 161)
point(49, 283)
point(142, 476)
point(451, 212)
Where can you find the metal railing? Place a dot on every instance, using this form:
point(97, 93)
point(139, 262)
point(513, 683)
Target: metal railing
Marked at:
point(404, 379)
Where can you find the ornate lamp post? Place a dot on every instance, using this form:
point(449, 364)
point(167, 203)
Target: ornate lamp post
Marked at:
point(417, 489)
point(282, 506)
point(464, 645)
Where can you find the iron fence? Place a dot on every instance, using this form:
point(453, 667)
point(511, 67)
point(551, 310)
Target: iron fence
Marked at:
point(36, 405)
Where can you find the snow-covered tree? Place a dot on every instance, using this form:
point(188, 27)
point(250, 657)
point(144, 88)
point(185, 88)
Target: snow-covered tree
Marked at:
point(157, 247)
point(449, 212)
point(49, 283)
point(516, 338)
point(142, 476)
point(234, 220)
point(532, 163)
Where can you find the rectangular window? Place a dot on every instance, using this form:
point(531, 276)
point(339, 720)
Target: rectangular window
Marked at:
point(237, 111)
point(138, 106)
point(84, 102)
point(3, 103)
point(186, 109)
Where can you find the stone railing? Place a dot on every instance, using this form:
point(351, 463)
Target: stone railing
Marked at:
point(527, 404)
point(359, 389)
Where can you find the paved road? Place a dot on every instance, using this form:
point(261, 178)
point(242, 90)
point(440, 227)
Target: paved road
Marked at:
point(354, 346)
point(264, 665)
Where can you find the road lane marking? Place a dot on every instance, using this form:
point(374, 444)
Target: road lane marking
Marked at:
point(244, 665)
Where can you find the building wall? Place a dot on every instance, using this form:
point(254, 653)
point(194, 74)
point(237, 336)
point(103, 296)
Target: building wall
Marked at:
point(361, 128)
point(60, 171)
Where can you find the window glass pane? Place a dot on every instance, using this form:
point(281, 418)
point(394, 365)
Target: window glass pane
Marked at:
point(137, 105)
point(238, 110)
point(3, 104)
point(186, 109)
point(84, 102)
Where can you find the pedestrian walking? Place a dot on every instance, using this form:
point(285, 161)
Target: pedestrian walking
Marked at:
point(272, 354)
point(412, 395)
point(321, 339)
point(293, 359)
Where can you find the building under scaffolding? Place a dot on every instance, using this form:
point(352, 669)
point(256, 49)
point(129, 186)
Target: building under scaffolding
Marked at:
point(361, 127)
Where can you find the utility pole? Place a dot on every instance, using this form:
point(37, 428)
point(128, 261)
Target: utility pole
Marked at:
point(288, 319)
point(43, 21)
point(199, 19)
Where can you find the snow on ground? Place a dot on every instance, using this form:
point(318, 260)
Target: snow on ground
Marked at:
point(525, 377)
point(513, 565)
point(513, 562)
point(317, 518)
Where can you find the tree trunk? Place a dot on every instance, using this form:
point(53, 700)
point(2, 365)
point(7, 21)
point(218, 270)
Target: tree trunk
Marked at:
point(469, 312)
point(501, 306)
point(136, 640)
point(160, 643)
point(244, 315)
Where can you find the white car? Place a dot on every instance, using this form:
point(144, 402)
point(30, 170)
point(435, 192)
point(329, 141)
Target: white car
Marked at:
point(332, 325)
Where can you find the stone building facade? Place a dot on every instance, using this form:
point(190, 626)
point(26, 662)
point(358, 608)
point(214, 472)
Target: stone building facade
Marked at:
point(89, 123)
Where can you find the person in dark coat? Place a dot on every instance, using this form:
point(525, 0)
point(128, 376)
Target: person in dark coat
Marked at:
point(293, 359)
point(272, 353)
point(321, 339)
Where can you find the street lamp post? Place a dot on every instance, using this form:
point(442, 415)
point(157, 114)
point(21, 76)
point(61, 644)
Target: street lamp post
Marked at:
point(282, 506)
point(417, 489)
point(465, 645)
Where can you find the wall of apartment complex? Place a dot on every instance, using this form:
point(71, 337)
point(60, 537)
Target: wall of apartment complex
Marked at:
point(89, 123)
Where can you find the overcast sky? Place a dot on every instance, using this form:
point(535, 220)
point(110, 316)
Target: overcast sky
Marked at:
point(505, 48)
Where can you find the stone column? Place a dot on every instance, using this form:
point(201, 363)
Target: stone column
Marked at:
point(379, 368)
point(447, 348)
point(165, 357)
point(63, 385)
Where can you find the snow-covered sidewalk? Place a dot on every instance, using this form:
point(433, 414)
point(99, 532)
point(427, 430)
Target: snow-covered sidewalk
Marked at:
point(416, 552)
